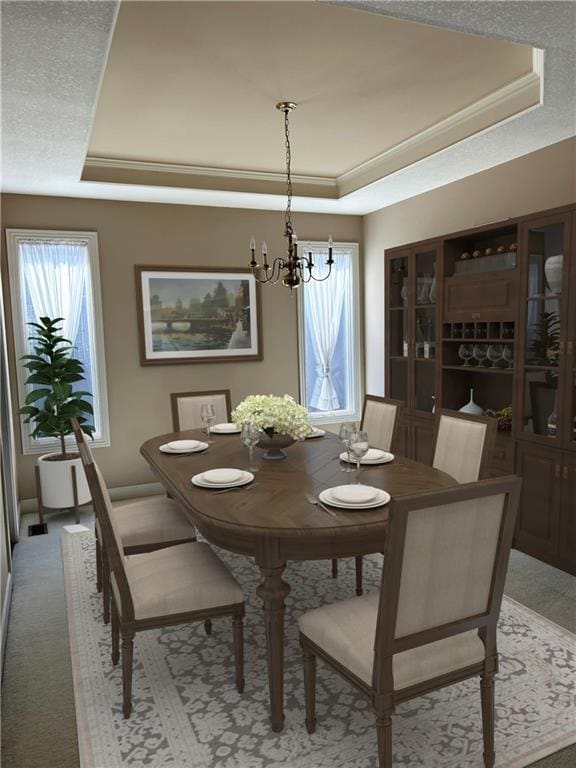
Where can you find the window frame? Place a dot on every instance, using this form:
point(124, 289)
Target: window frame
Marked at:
point(21, 333)
point(355, 350)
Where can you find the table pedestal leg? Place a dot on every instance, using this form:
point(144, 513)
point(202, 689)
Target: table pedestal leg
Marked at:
point(273, 590)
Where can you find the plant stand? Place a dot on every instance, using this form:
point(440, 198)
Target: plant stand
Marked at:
point(41, 526)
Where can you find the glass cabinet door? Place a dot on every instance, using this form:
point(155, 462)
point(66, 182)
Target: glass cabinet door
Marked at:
point(545, 308)
point(570, 395)
point(398, 332)
point(424, 290)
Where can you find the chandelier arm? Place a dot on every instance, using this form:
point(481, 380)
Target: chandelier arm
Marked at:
point(321, 279)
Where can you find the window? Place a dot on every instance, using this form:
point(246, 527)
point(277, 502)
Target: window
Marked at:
point(329, 329)
point(55, 274)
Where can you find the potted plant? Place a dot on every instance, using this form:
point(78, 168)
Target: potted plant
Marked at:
point(281, 420)
point(50, 406)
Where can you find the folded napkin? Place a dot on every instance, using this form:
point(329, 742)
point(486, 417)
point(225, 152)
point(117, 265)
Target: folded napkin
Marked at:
point(225, 427)
point(222, 476)
point(354, 494)
point(183, 445)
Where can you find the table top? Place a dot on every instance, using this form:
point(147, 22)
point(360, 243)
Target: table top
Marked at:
point(276, 505)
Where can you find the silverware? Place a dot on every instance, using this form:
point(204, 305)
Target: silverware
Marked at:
point(236, 488)
point(317, 503)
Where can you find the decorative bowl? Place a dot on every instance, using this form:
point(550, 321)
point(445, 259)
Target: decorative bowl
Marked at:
point(273, 446)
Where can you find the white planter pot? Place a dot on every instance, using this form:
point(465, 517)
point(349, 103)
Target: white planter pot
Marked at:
point(553, 272)
point(56, 482)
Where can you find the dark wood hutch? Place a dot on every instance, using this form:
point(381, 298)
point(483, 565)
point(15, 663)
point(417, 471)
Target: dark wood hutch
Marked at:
point(492, 310)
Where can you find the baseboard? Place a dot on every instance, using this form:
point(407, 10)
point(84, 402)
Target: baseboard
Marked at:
point(5, 613)
point(116, 494)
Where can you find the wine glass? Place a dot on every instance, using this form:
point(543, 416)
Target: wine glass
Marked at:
point(466, 351)
point(495, 354)
point(346, 432)
point(359, 446)
point(207, 414)
point(250, 436)
point(480, 353)
point(508, 355)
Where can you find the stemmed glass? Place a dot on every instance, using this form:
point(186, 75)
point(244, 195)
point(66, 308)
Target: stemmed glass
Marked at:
point(359, 446)
point(508, 355)
point(466, 351)
point(250, 436)
point(480, 354)
point(346, 432)
point(207, 414)
point(495, 353)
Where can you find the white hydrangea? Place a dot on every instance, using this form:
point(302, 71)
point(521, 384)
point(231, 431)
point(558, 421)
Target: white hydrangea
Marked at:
point(273, 415)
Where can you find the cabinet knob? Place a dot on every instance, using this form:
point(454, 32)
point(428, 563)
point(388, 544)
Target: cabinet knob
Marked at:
point(557, 471)
point(570, 348)
point(565, 473)
point(561, 347)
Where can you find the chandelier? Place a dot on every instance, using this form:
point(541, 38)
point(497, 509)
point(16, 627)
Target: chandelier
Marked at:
point(293, 269)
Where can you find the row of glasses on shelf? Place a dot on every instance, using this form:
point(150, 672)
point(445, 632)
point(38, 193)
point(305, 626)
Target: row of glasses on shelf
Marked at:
point(485, 354)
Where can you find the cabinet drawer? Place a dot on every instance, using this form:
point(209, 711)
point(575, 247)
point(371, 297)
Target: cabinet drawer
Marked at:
point(491, 297)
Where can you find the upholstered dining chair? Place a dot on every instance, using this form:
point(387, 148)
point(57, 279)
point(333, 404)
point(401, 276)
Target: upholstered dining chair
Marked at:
point(174, 585)
point(186, 407)
point(463, 445)
point(380, 416)
point(433, 622)
point(143, 526)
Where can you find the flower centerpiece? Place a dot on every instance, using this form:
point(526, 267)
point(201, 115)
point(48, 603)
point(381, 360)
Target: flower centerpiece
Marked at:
point(281, 420)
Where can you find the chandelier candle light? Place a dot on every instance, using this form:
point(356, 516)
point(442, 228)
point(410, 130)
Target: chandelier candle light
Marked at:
point(297, 269)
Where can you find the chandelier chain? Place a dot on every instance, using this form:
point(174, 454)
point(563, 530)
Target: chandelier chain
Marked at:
point(288, 173)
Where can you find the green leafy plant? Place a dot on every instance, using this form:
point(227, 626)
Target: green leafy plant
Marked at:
point(546, 342)
point(53, 402)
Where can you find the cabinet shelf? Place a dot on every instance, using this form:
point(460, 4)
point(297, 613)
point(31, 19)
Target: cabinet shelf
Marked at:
point(396, 309)
point(425, 306)
point(477, 369)
point(543, 296)
point(480, 341)
point(532, 367)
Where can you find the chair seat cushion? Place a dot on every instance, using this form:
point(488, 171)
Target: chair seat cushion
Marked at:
point(347, 630)
point(151, 521)
point(180, 579)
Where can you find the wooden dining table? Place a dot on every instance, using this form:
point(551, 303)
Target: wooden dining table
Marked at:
point(272, 520)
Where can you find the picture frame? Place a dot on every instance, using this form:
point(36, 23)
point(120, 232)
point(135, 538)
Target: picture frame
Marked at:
point(198, 315)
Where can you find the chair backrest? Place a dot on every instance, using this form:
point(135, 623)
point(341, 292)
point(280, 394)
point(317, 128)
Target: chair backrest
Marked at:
point(186, 408)
point(445, 563)
point(103, 512)
point(379, 418)
point(463, 445)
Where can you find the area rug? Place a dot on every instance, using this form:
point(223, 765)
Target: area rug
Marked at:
point(187, 713)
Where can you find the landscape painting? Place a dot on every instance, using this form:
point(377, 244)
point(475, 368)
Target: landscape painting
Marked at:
point(198, 315)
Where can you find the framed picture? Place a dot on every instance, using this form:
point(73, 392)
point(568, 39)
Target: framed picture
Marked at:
point(198, 315)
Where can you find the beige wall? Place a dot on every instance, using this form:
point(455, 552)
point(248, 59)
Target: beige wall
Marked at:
point(535, 182)
point(137, 233)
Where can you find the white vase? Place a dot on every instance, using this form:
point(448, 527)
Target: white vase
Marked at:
point(553, 272)
point(471, 407)
point(56, 482)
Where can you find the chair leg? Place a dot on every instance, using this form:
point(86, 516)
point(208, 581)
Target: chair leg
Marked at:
point(208, 626)
point(238, 632)
point(310, 688)
point(115, 634)
point(359, 575)
point(127, 656)
point(384, 734)
point(487, 694)
point(334, 568)
point(98, 566)
point(105, 587)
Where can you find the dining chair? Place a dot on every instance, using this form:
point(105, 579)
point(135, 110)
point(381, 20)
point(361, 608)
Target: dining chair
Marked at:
point(186, 407)
point(463, 445)
point(143, 526)
point(433, 622)
point(152, 590)
point(380, 416)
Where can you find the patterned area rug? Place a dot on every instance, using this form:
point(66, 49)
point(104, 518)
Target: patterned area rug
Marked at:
point(187, 713)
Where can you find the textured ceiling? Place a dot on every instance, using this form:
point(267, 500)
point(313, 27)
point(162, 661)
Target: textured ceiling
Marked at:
point(54, 53)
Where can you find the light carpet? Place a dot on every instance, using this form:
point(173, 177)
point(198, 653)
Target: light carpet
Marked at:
point(187, 713)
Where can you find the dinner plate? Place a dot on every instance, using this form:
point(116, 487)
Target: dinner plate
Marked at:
point(196, 448)
point(246, 478)
point(354, 493)
point(316, 433)
point(225, 429)
point(382, 498)
point(385, 457)
point(222, 475)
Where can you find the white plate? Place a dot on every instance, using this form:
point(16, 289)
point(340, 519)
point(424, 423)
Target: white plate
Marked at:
point(225, 429)
point(199, 447)
point(386, 458)
point(354, 493)
point(222, 475)
point(246, 478)
point(381, 498)
point(316, 433)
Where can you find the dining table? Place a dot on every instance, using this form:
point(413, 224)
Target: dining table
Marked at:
point(273, 521)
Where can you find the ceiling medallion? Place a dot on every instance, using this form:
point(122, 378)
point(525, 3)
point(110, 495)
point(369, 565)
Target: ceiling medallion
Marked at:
point(293, 269)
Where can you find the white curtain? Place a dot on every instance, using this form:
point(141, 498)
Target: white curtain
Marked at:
point(55, 273)
point(324, 304)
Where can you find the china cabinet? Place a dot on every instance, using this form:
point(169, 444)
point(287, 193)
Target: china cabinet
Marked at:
point(493, 310)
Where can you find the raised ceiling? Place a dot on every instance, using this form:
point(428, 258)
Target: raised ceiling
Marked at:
point(188, 94)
